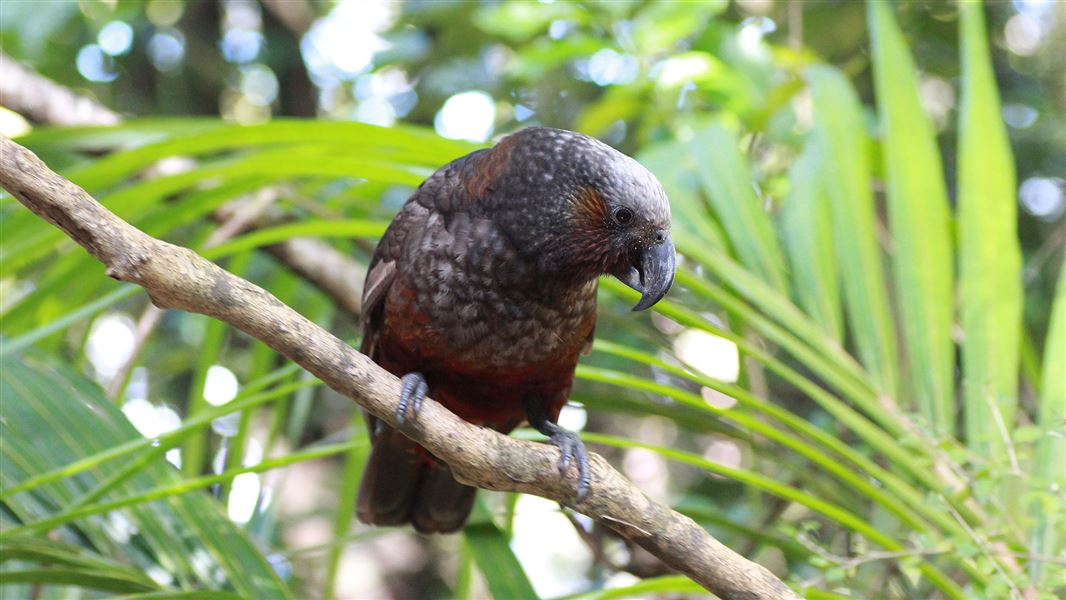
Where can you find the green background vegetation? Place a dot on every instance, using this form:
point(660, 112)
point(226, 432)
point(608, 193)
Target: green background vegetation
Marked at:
point(867, 199)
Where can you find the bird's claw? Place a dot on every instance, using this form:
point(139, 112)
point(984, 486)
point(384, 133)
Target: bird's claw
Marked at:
point(568, 442)
point(413, 392)
point(570, 445)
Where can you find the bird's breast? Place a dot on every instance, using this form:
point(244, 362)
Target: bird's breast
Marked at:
point(479, 326)
point(463, 294)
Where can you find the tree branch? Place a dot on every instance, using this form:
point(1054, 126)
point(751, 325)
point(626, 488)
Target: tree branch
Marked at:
point(27, 92)
point(45, 101)
point(176, 277)
point(335, 274)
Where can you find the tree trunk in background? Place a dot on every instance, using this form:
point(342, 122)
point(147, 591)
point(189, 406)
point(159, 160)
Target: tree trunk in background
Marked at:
point(297, 96)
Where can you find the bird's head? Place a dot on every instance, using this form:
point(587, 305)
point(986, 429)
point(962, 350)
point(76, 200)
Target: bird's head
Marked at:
point(579, 208)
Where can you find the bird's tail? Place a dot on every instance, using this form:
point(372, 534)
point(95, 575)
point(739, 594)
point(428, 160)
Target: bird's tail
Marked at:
point(403, 483)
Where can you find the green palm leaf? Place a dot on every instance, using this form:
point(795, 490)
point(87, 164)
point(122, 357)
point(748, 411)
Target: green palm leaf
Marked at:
point(990, 279)
point(1049, 463)
point(61, 417)
point(919, 218)
point(842, 140)
point(807, 226)
point(725, 176)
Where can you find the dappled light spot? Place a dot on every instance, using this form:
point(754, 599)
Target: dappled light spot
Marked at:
point(150, 420)
point(220, 385)
point(1023, 34)
point(1043, 196)
point(241, 45)
point(259, 84)
point(686, 67)
point(717, 399)
point(752, 31)
point(551, 553)
point(724, 452)
point(243, 497)
point(12, 125)
point(714, 356)
point(938, 99)
point(111, 344)
point(648, 470)
point(115, 38)
point(166, 50)
point(375, 111)
point(607, 67)
point(342, 44)
point(467, 116)
point(95, 65)
point(1019, 116)
point(164, 13)
point(573, 416)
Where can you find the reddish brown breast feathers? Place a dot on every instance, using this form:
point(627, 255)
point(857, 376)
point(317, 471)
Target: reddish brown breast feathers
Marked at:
point(479, 363)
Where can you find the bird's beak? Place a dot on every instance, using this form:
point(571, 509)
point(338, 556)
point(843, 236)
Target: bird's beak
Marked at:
point(650, 272)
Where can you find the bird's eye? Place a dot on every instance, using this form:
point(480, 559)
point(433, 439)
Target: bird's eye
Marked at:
point(623, 215)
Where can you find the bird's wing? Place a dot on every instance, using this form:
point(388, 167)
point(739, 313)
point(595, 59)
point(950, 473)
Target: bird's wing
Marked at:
point(452, 189)
point(383, 271)
point(378, 281)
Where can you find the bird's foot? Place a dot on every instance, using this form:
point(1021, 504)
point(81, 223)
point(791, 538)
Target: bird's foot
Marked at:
point(568, 442)
point(571, 446)
point(412, 394)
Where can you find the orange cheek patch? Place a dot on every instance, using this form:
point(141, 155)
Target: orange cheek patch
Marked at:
point(589, 218)
point(588, 209)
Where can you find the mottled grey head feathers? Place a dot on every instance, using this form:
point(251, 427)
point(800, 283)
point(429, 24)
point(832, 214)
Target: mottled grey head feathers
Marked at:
point(578, 207)
point(546, 158)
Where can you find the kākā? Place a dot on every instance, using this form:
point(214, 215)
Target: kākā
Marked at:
point(482, 293)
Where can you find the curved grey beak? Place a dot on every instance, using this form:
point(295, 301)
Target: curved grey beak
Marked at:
point(650, 272)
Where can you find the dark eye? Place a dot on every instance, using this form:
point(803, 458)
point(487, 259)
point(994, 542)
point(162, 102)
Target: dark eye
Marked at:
point(623, 216)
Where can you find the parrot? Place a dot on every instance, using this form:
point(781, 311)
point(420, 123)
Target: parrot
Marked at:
point(481, 294)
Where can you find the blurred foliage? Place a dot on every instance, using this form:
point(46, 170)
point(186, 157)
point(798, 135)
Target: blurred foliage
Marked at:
point(844, 204)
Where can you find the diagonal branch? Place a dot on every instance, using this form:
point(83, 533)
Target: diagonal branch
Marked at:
point(334, 273)
point(176, 277)
point(27, 92)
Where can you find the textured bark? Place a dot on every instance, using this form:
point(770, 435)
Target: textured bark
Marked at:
point(178, 278)
point(334, 273)
point(27, 92)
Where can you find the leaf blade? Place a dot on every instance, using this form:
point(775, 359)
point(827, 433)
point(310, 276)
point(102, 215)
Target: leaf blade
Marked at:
point(1049, 464)
point(62, 416)
point(726, 178)
point(840, 132)
point(918, 213)
point(503, 573)
point(807, 226)
point(989, 257)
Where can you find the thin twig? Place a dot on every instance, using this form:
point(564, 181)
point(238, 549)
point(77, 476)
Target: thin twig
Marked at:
point(240, 215)
point(151, 317)
point(986, 549)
